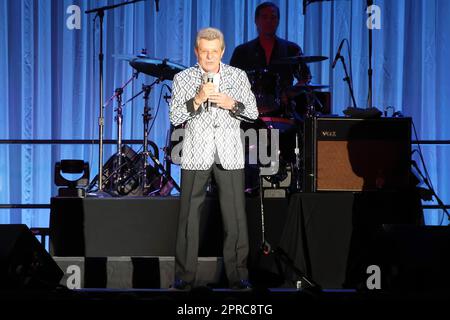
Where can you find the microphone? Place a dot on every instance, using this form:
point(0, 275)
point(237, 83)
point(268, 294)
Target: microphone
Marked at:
point(338, 54)
point(208, 77)
point(157, 5)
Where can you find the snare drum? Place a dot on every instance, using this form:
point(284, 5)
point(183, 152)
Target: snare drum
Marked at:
point(282, 124)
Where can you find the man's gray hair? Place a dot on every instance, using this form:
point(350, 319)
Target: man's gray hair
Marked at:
point(210, 34)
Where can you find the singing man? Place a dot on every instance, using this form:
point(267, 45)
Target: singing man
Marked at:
point(211, 99)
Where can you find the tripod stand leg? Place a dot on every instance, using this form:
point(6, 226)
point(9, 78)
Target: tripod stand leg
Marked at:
point(281, 256)
point(161, 168)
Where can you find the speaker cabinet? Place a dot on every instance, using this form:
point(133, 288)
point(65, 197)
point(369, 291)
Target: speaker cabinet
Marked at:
point(346, 154)
point(24, 263)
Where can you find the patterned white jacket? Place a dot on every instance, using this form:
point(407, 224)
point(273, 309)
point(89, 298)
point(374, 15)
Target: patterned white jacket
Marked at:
point(212, 134)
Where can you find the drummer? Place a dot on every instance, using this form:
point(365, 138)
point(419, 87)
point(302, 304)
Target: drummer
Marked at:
point(259, 53)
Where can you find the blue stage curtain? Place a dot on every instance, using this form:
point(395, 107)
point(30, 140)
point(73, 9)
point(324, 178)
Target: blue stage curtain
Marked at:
point(49, 80)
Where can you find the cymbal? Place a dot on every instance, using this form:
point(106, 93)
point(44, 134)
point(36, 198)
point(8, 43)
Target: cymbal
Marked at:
point(163, 69)
point(299, 59)
point(293, 91)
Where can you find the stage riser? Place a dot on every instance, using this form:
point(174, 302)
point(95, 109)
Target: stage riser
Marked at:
point(131, 272)
point(146, 227)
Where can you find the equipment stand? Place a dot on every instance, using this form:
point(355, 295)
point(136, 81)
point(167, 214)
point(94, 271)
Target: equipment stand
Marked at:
point(100, 12)
point(146, 152)
point(279, 254)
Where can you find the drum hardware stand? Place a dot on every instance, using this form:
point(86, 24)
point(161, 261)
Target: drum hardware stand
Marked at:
point(297, 166)
point(116, 174)
point(167, 150)
point(146, 89)
point(119, 118)
point(312, 99)
point(279, 254)
point(310, 115)
point(146, 116)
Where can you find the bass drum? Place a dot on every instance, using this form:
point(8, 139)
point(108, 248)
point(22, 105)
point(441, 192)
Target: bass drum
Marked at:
point(124, 177)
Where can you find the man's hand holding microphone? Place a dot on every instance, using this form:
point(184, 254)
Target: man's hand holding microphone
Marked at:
point(208, 93)
point(205, 92)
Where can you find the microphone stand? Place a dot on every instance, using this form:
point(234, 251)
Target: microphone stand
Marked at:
point(369, 70)
point(278, 253)
point(348, 80)
point(100, 12)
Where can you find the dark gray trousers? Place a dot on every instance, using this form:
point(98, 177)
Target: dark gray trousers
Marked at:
point(232, 204)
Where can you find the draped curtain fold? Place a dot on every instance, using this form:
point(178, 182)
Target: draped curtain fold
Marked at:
point(49, 75)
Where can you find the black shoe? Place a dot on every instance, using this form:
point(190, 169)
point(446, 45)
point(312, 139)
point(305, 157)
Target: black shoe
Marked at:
point(180, 285)
point(242, 285)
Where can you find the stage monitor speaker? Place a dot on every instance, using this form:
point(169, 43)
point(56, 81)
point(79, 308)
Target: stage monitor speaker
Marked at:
point(346, 154)
point(24, 263)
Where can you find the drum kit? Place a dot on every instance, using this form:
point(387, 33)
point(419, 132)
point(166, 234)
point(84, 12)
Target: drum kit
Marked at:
point(284, 109)
point(128, 173)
